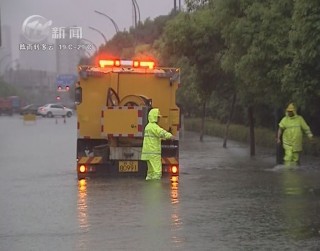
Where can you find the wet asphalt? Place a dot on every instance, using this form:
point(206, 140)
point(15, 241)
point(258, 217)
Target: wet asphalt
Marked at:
point(224, 199)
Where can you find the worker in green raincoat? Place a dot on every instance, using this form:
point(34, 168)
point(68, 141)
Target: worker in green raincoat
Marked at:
point(151, 149)
point(291, 128)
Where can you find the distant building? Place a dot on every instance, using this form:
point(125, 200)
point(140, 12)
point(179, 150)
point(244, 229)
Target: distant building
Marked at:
point(37, 56)
point(69, 51)
point(5, 49)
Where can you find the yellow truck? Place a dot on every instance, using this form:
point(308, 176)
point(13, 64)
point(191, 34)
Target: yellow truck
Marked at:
point(112, 103)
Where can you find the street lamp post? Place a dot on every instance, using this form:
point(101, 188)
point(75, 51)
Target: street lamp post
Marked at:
point(135, 10)
point(104, 37)
point(175, 5)
point(112, 21)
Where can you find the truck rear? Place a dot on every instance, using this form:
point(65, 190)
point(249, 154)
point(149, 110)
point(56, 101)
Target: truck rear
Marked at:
point(113, 101)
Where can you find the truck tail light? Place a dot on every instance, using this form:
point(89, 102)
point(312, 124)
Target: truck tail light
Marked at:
point(174, 170)
point(87, 169)
point(82, 168)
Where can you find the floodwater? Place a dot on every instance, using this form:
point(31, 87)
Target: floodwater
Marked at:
point(224, 199)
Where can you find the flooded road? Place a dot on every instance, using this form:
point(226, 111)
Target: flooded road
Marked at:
point(224, 200)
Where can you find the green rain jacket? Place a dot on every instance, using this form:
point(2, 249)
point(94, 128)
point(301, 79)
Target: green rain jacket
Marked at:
point(293, 129)
point(153, 134)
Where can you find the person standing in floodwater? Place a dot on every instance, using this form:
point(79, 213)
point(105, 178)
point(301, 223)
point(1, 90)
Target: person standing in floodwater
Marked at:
point(151, 148)
point(291, 128)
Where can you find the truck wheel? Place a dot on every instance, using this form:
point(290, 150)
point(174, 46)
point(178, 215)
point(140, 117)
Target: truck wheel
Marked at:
point(69, 114)
point(49, 115)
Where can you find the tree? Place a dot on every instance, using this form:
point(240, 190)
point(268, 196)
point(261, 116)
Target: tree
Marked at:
point(117, 45)
point(6, 89)
point(193, 5)
point(188, 97)
point(256, 52)
point(193, 36)
point(302, 77)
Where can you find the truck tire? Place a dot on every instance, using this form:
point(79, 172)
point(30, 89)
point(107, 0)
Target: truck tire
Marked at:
point(69, 114)
point(49, 115)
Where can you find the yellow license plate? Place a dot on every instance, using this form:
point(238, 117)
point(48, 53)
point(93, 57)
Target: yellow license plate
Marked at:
point(128, 166)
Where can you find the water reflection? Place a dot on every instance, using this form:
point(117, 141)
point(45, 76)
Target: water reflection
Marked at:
point(82, 212)
point(176, 222)
point(297, 207)
point(132, 209)
point(292, 183)
point(174, 189)
point(82, 204)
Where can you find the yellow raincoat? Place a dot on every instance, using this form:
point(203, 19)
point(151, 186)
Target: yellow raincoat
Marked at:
point(293, 129)
point(151, 149)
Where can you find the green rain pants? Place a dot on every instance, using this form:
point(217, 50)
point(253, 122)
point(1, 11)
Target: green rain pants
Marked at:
point(290, 157)
point(154, 169)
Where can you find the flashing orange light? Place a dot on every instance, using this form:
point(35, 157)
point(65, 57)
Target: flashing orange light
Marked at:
point(104, 63)
point(174, 169)
point(117, 63)
point(148, 64)
point(136, 63)
point(82, 168)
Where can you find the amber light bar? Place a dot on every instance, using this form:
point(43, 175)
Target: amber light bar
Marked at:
point(126, 63)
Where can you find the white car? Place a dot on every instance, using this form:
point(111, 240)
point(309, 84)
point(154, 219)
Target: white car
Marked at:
point(52, 110)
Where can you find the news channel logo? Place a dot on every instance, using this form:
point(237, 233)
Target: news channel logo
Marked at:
point(36, 28)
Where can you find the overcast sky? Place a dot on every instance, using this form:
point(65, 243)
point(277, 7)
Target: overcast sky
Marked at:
point(64, 13)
